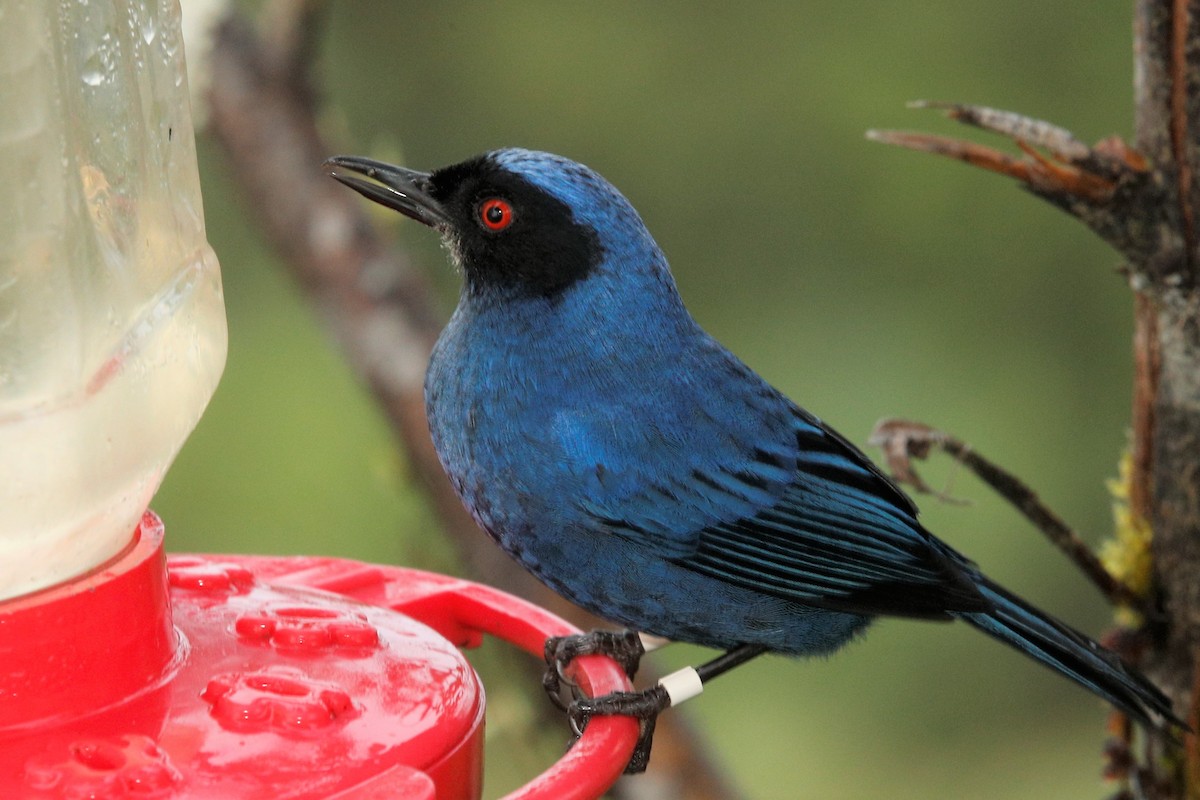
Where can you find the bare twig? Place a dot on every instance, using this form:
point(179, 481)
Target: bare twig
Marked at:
point(378, 305)
point(903, 440)
point(1069, 170)
point(974, 154)
point(1059, 141)
point(1108, 186)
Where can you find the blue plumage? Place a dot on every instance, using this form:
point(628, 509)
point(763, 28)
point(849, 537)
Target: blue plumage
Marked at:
point(633, 464)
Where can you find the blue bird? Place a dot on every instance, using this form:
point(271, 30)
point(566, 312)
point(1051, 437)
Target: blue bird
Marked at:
point(640, 469)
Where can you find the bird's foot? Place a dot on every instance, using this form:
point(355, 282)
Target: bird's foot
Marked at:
point(645, 706)
point(624, 647)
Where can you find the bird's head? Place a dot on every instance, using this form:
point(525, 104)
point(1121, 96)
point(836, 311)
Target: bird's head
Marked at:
point(516, 221)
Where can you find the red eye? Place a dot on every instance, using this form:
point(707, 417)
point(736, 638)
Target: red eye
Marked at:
point(496, 214)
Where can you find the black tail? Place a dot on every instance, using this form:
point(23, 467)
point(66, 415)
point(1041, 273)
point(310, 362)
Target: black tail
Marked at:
point(1065, 650)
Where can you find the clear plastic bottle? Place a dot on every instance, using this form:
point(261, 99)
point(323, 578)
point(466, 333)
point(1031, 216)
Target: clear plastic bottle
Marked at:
point(112, 323)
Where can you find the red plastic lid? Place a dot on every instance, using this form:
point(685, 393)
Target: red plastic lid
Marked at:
point(281, 678)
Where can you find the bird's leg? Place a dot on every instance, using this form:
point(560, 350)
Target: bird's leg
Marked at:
point(646, 705)
point(624, 647)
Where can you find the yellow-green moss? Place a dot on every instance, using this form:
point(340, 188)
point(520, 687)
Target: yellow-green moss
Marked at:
point(1127, 554)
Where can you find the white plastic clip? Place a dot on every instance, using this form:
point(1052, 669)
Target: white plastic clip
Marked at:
point(651, 643)
point(682, 685)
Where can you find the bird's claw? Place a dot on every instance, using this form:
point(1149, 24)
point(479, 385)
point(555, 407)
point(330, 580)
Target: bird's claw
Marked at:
point(645, 706)
point(624, 647)
point(627, 649)
point(552, 683)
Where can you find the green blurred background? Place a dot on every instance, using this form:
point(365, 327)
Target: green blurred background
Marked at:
point(863, 280)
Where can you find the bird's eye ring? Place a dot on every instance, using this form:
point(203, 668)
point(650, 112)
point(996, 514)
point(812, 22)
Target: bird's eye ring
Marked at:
point(495, 214)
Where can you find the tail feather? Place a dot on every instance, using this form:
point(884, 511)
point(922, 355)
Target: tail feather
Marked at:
point(1069, 652)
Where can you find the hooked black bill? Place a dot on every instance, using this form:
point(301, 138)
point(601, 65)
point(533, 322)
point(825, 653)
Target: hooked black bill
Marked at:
point(538, 247)
point(397, 188)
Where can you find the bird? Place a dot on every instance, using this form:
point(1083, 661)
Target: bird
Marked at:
point(637, 467)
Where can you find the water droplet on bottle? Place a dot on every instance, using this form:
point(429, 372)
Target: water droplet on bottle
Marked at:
point(93, 74)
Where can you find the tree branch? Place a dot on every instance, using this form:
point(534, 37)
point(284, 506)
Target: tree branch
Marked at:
point(903, 440)
point(1109, 186)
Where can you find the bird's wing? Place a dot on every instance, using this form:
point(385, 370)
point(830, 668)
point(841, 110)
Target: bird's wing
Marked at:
point(841, 536)
point(715, 470)
point(787, 507)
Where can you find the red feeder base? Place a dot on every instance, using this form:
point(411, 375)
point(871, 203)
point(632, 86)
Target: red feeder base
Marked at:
point(254, 677)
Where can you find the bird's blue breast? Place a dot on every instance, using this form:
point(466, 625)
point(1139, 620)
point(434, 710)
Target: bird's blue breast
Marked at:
point(564, 426)
point(576, 441)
